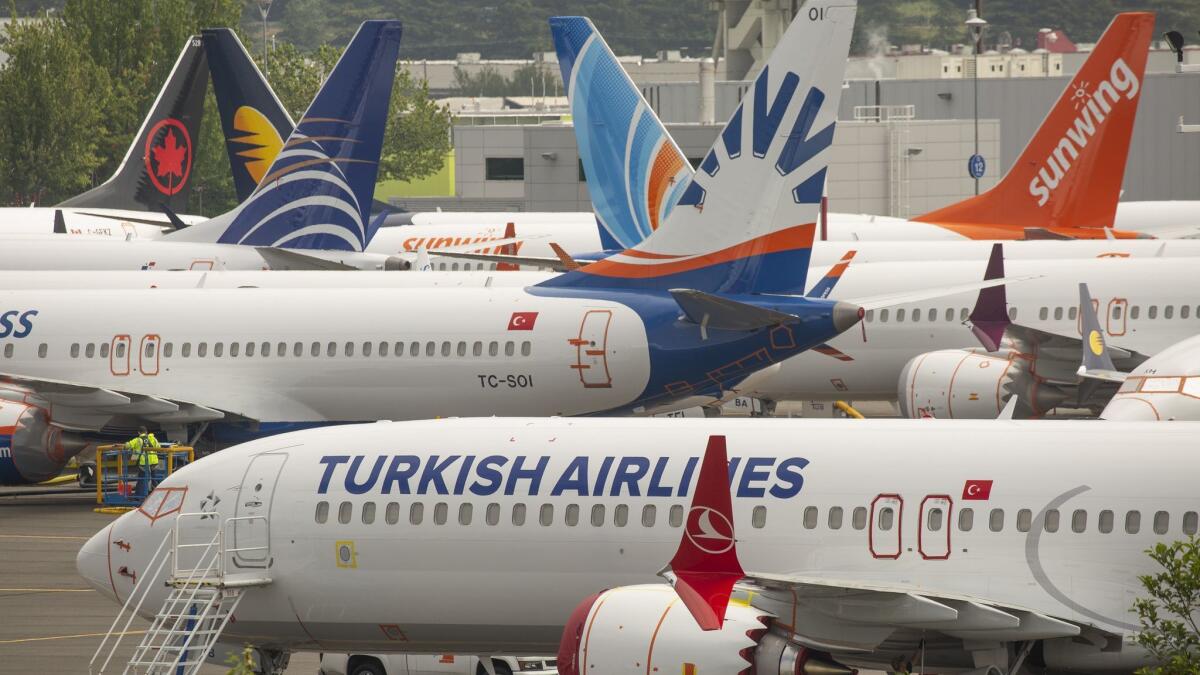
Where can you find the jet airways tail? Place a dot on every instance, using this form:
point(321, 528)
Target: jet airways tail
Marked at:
point(157, 167)
point(634, 170)
point(317, 192)
point(1068, 179)
point(745, 222)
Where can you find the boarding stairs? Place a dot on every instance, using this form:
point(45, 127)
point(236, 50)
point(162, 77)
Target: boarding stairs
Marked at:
point(202, 597)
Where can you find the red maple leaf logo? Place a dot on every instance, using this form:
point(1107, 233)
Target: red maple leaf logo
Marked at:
point(169, 156)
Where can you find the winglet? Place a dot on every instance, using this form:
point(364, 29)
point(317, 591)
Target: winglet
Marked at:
point(60, 223)
point(1096, 363)
point(989, 319)
point(706, 566)
point(824, 287)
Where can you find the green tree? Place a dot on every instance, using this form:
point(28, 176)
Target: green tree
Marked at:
point(1170, 612)
point(486, 81)
point(51, 100)
point(304, 23)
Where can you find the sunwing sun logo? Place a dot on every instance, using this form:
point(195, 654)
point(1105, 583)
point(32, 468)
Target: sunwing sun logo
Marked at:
point(1092, 109)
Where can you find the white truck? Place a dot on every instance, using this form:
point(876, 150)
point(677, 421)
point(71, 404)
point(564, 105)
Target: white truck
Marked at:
point(437, 664)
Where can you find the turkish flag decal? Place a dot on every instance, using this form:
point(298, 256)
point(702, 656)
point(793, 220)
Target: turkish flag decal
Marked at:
point(522, 321)
point(977, 489)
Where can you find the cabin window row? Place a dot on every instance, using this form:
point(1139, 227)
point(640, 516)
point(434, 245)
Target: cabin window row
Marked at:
point(885, 518)
point(919, 315)
point(298, 349)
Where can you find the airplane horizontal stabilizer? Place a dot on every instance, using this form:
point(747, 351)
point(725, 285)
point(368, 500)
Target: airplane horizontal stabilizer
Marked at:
point(713, 311)
point(285, 259)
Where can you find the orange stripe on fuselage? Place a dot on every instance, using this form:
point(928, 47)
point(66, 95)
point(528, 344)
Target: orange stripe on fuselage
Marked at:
point(793, 238)
point(666, 165)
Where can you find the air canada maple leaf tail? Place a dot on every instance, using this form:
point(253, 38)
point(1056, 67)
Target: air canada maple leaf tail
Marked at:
point(746, 220)
point(1068, 179)
point(157, 167)
point(318, 191)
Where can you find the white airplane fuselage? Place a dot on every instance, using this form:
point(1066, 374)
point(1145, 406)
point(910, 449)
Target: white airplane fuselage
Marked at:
point(481, 535)
point(108, 223)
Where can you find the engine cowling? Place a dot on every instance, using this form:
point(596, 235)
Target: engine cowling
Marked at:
point(31, 449)
point(970, 384)
point(640, 629)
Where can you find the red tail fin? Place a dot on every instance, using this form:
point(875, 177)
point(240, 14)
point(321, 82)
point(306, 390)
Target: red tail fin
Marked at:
point(706, 566)
point(510, 231)
point(1069, 176)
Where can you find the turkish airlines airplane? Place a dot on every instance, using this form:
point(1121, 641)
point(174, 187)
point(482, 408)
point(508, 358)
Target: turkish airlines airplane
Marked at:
point(711, 297)
point(480, 536)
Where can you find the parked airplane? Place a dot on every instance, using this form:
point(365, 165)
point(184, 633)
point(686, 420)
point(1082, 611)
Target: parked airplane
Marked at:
point(1165, 387)
point(712, 296)
point(155, 171)
point(480, 535)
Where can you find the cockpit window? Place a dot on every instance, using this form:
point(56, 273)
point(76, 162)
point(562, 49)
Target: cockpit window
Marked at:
point(163, 502)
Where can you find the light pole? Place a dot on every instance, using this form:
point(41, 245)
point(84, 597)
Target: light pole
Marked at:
point(264, 6)
point(975, 25)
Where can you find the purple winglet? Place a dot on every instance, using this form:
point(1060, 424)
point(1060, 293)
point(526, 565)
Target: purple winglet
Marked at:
point(989, 319)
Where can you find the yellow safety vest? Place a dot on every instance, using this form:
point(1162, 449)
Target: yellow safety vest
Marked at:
point(147, 458)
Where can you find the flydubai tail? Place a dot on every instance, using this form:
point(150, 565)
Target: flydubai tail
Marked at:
point(1067, 181)
point(318, 190)
point(157, 168)
point(745, 222)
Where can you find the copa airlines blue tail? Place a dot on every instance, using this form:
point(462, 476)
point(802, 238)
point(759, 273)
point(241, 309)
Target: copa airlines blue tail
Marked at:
point(744, 224)
point(317, 192)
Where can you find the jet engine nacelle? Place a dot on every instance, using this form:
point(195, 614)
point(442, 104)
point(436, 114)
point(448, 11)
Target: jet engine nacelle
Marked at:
point(648, 629)
point(31, 450)
point(955, 383)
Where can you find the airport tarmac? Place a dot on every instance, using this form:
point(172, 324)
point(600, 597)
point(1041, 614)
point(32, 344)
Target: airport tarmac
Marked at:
point(50, 621)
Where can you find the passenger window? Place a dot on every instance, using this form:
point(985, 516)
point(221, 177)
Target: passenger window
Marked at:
point(966, 519)
point(1043, 313)
point(349, 349)
point(546, 515)
point(368, 513)
point(883, 316)
point(949, 314)
point(1072, 312)
point(493, 348)
point(1012, 313)
point(870, 316)
point(509, 348)
point(526, 348)
point(322, 513)
point(621, 515)
point(331, 349)
point(464, 513)
point(149, 350)
point(1133, 522)
point(445, 349)
point(1190, 520)
point(676, 518)
point(1162, 520)
point(492, 517)
point(758, 517)
point(103, 350)
point(281, 350)
point(1152, 313)
point(392, 514)
point(1052, 520)
point(383, 348)
point(810, 517)
point(1184, 311)
point(933, 521)
point(90, 350)
point(168, 349)
point(201, 350)
point(886, 518)
point(648, 515)
point(345, 510)
point(1079, 521)
point(996, 520)
point(75, 350)
point(859, 519)
point(249, 349)
point(8, 350)
point(598, 515)
point(441, 512)
point(416, 513)
point(1058, 314)
point(963, 314)
point(518, 514)
point(571, 517)
point(462, 349)
point(916, 315)
point(900, 315)
point(218, 349)
point(1169, 311)
point(366, 349)
point(932, 314)
point(316, 349)
point(1105, 522)
point(414, 349)
point(477, 349)
point(835, 518)
point(120, 350)
point(1024, 520)
point(1116, 312)
point(298, 350)
point(1134, 311)
point(234, 348)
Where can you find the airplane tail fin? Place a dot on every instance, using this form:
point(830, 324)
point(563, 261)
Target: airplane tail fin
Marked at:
point(157, 167)
point(318, 191)
point(253, 119)
point(1069, 175)
point(745, 223)
point(634, 170)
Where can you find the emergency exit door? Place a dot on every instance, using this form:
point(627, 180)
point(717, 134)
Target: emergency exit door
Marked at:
point(883, 536)
point(591, 349)
point(252, 530)
point(148, 354)
point(933, 537)
point(118, 355)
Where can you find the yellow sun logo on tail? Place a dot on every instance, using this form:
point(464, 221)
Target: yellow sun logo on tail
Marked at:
point(260, 134)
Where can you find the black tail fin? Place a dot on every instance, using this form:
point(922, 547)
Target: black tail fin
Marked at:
point(252, 118)
point(157, 168)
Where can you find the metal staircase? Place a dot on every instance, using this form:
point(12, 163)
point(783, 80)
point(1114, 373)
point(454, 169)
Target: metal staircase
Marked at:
point(202, 598)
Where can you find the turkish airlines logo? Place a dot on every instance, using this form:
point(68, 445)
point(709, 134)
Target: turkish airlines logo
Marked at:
point(168, 156)
point(978, 490)
point(1092, 109)
point(522, 321)
point(709, 530)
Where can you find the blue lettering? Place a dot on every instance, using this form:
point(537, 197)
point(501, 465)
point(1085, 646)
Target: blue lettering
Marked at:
point(534, 475)
point(463, 474)
point(734, 462)
point(488, 471)
point(657, 489)
point(400, 476)
point(22, 319)
point(629, 471)
point(602, 476)
point(685, 483)
point(757, 470)
point(766, 122)
point(788, 472)
point(330, 462)
point(352, 485)
point(574, 478)
point(433, 474)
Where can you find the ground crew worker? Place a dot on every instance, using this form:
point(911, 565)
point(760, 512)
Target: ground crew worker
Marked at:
point(142, 455)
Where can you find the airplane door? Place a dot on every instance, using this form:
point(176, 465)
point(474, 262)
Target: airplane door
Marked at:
point(200, 265)
point(118, 355)
point(883, 537)
point(148, 354)
point(591, 349)
point(1118, 308)
point(252, 538)
point(933, 532)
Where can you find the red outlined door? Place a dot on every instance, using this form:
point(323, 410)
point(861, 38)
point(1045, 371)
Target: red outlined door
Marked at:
point(933, 533)
point(118, 355)
point(883, 537)
point(201, 265)
point(591, 349)
point(148, 355)
point(1118, 310)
